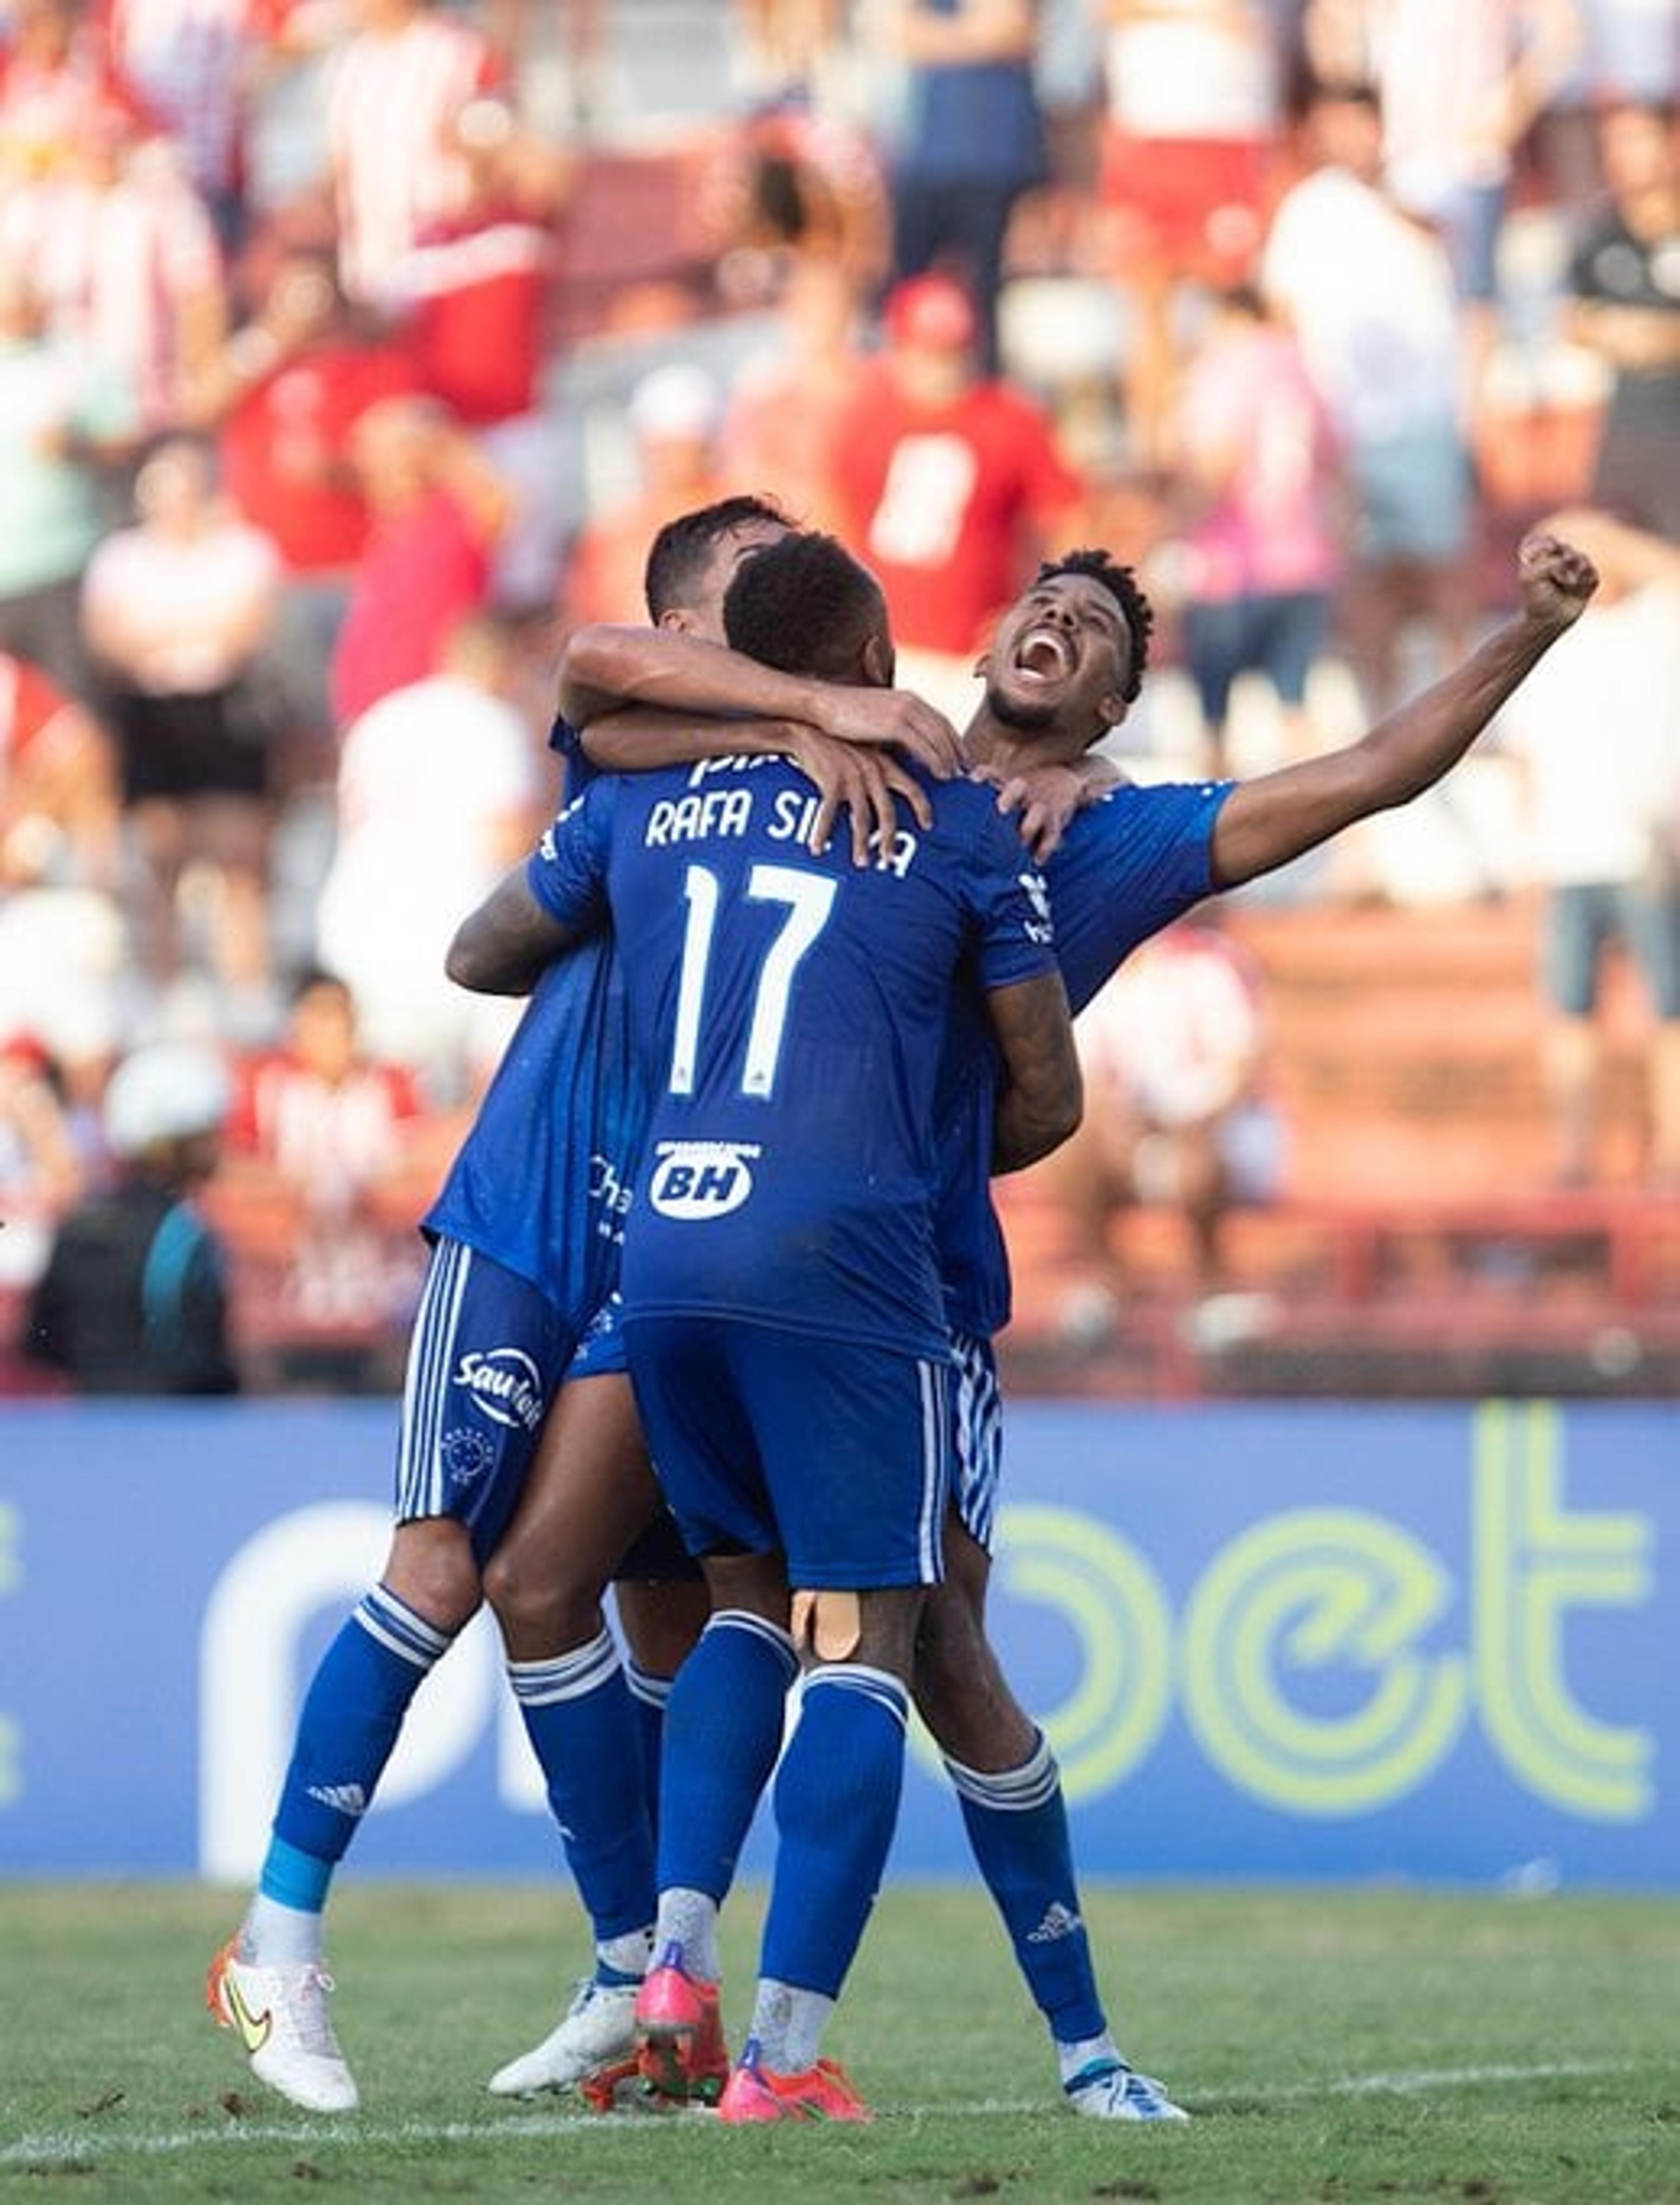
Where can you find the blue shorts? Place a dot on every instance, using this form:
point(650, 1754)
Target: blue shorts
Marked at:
point(658, 1556)
point(1278, 634)
point(1584, 917)
point(835, 1454)
point(486, 1358)
point(977, 1435)
point(1469, 218)
point(1412, 495)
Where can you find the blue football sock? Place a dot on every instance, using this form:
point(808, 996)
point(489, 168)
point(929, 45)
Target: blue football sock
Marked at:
point(346, 1728)
point(581, 1723)
point(649, 1695)
point(837, 1806)
point(723, 1727)
point(1017, 1824)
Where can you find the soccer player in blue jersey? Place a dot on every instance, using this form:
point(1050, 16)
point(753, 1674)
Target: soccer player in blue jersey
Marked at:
point(782, 1306)
point(524, 1237)
point(1065, 665)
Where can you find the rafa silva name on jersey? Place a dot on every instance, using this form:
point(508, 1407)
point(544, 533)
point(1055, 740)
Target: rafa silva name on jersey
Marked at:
point(700, 815)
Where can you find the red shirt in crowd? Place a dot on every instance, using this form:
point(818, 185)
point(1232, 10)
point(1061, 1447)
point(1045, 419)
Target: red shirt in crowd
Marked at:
point(949, 504)
point(473, 297)
point(283, 450)
point(423, 570)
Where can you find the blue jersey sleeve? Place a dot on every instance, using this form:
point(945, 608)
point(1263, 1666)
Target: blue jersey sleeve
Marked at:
point(1014, 937)
point(1129, 865)
point(566, 872)
point(579, 771)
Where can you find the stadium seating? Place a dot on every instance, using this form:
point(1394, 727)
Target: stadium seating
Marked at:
point(1419, 1246)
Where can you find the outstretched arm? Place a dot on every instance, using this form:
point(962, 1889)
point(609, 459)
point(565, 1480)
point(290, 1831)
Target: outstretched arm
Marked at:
point(607, 665)
point(1265, 822)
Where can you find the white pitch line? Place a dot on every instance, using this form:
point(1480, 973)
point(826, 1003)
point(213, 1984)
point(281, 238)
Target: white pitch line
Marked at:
point(65, 2146)
point(1447, 2078)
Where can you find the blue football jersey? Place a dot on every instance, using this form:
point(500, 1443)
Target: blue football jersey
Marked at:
point(790, 1012)
point(541, 1181)
point(1128, 865)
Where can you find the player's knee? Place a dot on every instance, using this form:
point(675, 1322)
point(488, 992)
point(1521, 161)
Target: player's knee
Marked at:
point(530, 1601)
point(431, 1569)
point(662, 1619)
point(947, 1646)
point(960, 1690)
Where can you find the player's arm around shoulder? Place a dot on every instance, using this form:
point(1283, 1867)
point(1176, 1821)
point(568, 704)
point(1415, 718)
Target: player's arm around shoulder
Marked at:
point(545, 905)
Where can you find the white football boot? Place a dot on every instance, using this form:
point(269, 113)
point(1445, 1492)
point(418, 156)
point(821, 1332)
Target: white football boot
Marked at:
point(597, 2031)
point(282, 2019)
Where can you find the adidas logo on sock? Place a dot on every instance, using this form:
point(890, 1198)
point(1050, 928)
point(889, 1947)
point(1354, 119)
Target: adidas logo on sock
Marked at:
point(348, 1799)
point(1058, 1921)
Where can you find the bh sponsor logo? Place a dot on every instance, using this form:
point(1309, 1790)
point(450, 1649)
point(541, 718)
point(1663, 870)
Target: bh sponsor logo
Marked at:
point(504, 1385)
point(694, 1180)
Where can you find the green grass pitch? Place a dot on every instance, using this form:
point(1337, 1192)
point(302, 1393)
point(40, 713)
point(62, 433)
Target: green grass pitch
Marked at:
point(1340, 2044)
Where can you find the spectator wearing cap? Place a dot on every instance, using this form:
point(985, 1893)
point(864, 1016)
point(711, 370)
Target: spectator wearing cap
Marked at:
point(133, 1298)
point(675, 417)
point(950, 483)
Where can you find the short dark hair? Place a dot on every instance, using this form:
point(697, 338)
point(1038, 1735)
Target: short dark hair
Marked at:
point(1122, 585)
point(309, 977)
point(806, 606)
point(678, 553)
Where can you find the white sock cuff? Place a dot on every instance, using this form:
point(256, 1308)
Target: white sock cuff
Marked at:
point(568, 1676)
point(646, 1686)
point(878, 1684)
point(756, 1626)
point(1017, 1790)
point(392, 1623)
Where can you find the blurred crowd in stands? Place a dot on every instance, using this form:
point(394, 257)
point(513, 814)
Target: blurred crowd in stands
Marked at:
point(351, 351)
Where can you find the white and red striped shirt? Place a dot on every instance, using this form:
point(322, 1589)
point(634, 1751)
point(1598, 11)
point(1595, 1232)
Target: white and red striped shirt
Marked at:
point(194, 62)
point(116, 264)
point(390, 97)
